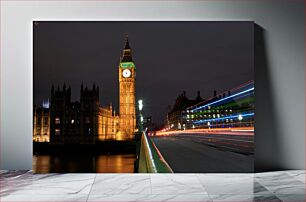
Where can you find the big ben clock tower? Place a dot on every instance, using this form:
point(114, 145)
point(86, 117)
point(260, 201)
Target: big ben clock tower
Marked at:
point(127, 111)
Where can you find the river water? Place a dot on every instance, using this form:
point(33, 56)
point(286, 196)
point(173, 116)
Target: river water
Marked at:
point(84, 163)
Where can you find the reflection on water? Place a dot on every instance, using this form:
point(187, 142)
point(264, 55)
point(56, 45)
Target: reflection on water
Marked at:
point(82, 164)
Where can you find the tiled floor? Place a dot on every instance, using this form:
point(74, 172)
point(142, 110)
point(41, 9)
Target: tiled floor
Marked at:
point(272, 186)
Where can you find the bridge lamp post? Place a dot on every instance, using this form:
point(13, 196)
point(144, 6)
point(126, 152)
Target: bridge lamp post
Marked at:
point(140, 106)
point(240, 117)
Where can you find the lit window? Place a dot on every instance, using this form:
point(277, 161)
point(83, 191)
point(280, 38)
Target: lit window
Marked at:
point(57, 131)
point(57, 120)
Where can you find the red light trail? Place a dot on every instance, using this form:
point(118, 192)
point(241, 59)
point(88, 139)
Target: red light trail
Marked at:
point(229, 131)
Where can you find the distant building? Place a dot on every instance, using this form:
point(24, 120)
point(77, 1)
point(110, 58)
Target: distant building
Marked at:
point(148, 124)
point(230, 109)
point(175, 115)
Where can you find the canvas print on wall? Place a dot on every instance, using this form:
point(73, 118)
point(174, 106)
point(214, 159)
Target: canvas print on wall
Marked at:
point(143, 97)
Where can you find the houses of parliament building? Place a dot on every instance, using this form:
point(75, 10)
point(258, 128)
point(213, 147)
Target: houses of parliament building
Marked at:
point(86, 121)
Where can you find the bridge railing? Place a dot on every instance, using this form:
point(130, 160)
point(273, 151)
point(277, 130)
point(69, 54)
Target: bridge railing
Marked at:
point(150, 159)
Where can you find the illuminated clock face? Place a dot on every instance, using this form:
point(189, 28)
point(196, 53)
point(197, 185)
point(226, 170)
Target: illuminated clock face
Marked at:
point(126, 73)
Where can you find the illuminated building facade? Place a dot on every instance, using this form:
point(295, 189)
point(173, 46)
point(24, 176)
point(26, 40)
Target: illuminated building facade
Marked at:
point(41, 124)
point(175, 119)
point(108, 123)
point(82, 122)
point(86, 122)
point(127, 105)
point(231, 109)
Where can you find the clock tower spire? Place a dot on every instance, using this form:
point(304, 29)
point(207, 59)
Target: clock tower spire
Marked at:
point(127, 104)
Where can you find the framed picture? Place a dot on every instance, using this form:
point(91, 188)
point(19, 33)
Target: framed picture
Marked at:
point(143, 96)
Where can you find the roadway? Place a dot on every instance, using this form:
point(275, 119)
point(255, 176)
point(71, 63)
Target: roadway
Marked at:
point(209, 153)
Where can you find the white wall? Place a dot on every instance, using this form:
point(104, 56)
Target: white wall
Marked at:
point(280, 120)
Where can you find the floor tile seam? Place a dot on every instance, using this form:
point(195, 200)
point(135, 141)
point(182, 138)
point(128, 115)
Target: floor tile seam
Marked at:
point(145, 179)
point(205, 197)
point(203, 184)
point(252, 196)
point(91, 187)
point(267, 188)
point(275, 193)
point(269, 193)
point(283, 180)
point(197, 177)
point(173, 194)
point(285, 184)
point(279, 196)
point(151, 189)
point(41, 198)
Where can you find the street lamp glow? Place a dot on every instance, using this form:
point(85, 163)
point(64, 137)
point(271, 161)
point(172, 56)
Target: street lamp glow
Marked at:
point(140, 105)
point(240, 117)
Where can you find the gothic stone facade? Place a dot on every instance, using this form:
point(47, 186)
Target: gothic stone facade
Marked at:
point(83, 122)
point(86, 121)
point(41, 124)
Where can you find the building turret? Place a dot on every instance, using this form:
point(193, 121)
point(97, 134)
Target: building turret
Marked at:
point(127, 52)
point(198, 98)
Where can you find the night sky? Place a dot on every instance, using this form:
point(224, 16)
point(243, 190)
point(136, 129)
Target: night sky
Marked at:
point(170, 57)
